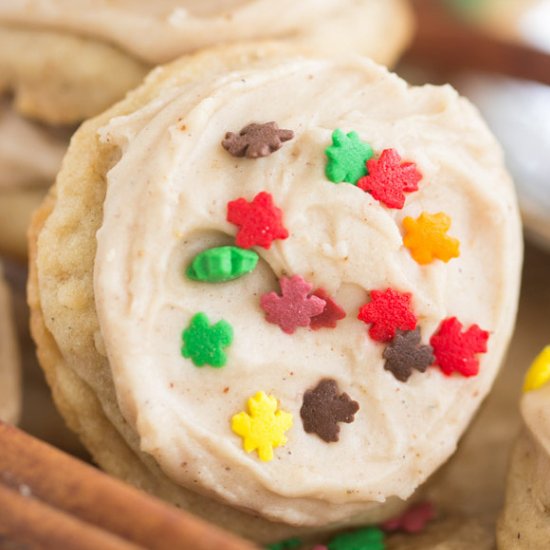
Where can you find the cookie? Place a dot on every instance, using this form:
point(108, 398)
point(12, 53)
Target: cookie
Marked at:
point(30, 153)
point(30, 157)
point(10, 396)
point(59, 78)
point(285, 282)
point(63, 67)
point(524, 522)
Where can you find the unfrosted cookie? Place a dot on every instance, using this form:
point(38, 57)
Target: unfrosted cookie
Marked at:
point(30, 157)
point(58, 77)
point(10, 397)
point(525, 521)
point(30, 153)
point(67, 60)
point(282, 282)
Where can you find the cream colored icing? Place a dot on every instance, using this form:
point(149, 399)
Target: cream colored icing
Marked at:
point(166, 200)
point(158, 31)
point(29, 153)
point(10, 396)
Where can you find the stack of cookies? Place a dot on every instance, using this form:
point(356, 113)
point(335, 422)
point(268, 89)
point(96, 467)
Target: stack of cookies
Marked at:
point(273, 283)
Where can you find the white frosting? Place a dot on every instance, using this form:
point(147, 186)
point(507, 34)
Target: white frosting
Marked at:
point(29, 153)
point(160, 30)
point(166, 201)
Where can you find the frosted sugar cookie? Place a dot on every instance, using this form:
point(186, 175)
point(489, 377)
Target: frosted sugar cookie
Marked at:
point(284, 283)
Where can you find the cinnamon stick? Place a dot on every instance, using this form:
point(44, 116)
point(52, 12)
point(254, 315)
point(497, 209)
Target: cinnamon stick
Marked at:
point(72, 487)
point(33, 524)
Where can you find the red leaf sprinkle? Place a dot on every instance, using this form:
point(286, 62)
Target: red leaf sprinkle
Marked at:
point(388, 179)
point(260, 222)
point(330, 315)
point(455, 351)
point(388, 311)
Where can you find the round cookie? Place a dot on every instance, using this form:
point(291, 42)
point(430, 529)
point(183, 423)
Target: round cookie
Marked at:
point(30, 153)
point(10, 396)
point(90, 58)
point(30, 157)
point(59, 78)
point(355, 414)
point(53, 78)
point(524, 522)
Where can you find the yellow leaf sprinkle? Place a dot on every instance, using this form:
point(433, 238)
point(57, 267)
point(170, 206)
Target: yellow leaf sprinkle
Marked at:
point(539, 372)
point(263, 427)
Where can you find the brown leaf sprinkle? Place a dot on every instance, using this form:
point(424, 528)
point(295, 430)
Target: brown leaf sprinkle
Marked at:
point(405, 353)
point(323, 409)
point(256, 140)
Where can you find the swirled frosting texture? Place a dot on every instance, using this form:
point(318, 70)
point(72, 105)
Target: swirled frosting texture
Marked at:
point(166, 201)
point(164, 29)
